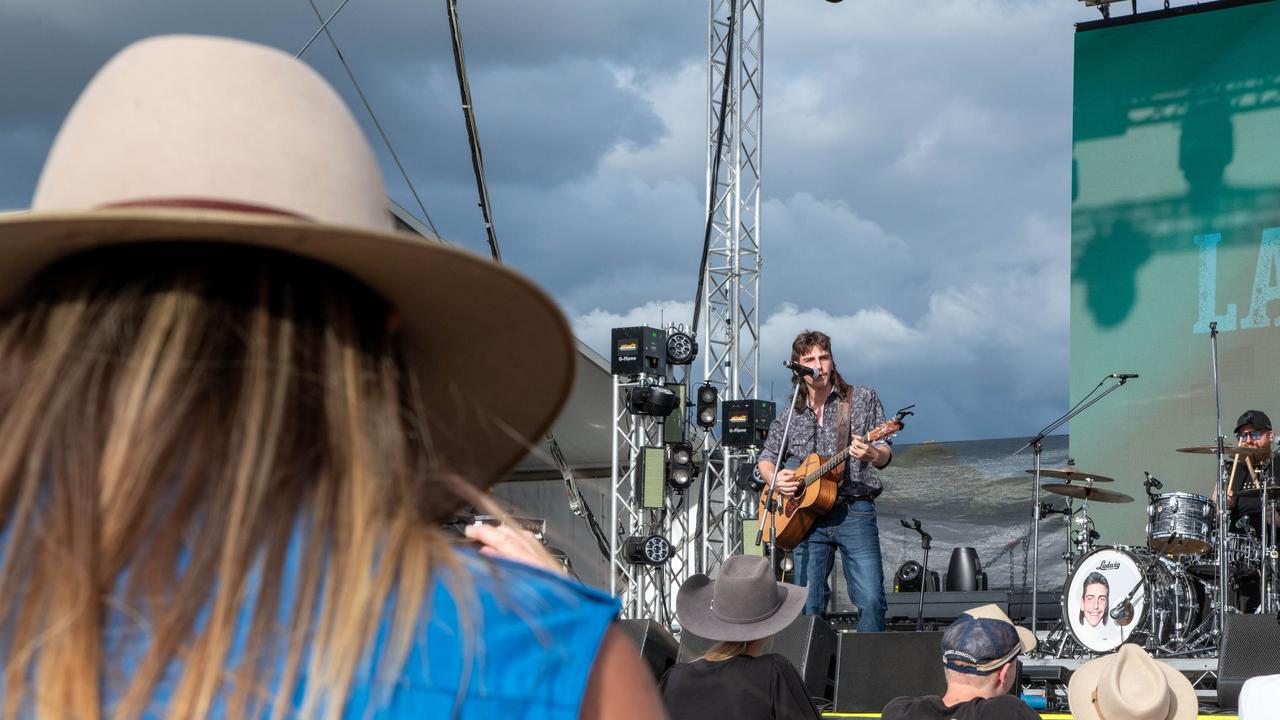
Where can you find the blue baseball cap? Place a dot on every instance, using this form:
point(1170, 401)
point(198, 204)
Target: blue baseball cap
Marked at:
point(983, 639)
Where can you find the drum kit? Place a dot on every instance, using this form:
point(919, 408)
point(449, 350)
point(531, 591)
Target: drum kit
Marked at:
point(1165, 596)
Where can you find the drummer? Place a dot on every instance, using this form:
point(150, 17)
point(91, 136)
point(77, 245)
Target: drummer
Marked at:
point(1253, 430)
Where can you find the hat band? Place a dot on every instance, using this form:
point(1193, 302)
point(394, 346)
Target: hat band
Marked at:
point(745, 621)
point(195, 203)
point(969, 664)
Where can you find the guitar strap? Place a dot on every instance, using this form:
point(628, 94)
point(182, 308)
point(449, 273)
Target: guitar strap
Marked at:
point(843, 428)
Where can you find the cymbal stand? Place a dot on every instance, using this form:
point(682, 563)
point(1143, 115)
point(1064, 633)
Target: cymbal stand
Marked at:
point(1266, 575)
point(1223, 570)
point(1037, 445)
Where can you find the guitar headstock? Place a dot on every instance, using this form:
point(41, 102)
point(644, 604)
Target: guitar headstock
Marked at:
point(891, 426)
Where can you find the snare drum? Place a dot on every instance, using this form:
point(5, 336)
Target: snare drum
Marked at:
point(1164, 604)
point(1180, 523)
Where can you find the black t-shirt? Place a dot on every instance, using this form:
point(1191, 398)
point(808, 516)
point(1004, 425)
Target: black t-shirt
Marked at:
point(930, 707)
point(740, 688)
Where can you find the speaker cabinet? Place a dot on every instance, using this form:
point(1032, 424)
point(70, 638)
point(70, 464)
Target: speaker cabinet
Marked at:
point(876, 667)
point(657, 645)
point(1250, 647)
point(808, 642)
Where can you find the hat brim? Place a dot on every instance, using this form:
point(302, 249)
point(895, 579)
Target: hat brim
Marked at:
point(1085, 680)
point(493, 355)
point(693, 607)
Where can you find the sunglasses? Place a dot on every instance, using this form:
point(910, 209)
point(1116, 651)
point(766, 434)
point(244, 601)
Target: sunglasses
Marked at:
point(1251, 435)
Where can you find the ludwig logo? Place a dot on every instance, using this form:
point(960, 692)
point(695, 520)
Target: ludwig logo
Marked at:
point(1108, 565)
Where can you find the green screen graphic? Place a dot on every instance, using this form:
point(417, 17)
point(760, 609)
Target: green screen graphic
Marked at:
point(1175, 225)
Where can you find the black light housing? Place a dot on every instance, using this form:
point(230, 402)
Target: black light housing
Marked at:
point(708, 412)
point(681, 347)
point(681, 472)
point(646, 549)
point(749, 479)
point(656, 400)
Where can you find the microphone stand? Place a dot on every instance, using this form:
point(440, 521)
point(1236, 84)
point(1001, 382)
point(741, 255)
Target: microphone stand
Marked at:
point(771, 503)
point(1037, 445)
point(926, 541)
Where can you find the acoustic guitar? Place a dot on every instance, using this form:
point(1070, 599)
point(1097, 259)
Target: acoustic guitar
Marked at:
point(816, 495)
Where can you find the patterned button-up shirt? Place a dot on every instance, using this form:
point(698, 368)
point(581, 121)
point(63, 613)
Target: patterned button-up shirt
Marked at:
point(806, 436)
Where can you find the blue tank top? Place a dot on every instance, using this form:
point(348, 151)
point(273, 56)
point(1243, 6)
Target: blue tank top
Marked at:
point(534, 636)
point(538, 636)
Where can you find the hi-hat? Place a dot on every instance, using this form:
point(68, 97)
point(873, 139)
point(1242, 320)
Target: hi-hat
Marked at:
point(1071, 473)
point(1257, 453)
point(1086, 492)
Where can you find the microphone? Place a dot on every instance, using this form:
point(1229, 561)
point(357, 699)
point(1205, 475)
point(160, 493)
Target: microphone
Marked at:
point(1123, 376)
point(799, 369)
point(1122, 613)
point(1152, 482)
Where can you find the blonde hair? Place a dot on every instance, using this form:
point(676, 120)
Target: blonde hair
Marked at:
point(173, 436)
point(725, 650)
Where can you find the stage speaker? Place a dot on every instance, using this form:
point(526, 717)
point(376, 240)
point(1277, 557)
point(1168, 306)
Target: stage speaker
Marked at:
point(808, 642)
point(876, 667)
point(1250, 647)
point(657, 645)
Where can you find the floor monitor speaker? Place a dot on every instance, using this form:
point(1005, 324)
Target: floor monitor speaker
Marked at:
point(876, 667)
point(657, 645)
point(1250, 647)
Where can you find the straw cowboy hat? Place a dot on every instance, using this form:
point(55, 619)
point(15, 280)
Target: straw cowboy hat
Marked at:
point(744, 603)
point(1130, 685)
point(201, 139)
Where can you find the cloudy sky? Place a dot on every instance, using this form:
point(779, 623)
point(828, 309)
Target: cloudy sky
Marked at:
point(916, 174)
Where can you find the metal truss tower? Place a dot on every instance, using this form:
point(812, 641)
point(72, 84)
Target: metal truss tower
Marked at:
point(730, 335)
point(703, 533)
point(646, 591)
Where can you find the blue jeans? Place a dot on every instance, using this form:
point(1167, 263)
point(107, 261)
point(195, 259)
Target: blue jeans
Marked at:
point(852, 528)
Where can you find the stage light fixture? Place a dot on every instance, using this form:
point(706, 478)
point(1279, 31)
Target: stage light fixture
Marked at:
point(646, 549)
point(708, 397)
point(636, 351)
point(745, 423)
point(681, 347)
point(650, 477)
point(656, 400)
point(910, 576)
point(749, 479)
point(681, 472)
point(673, 427)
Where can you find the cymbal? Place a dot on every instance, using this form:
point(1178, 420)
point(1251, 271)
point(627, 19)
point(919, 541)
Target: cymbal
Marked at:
point(1071, 473)
point(1085, 492)
point(1257, 453)
point(1273, 492)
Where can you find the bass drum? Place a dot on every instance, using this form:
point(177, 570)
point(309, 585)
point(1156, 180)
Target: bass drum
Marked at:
point(1164, 605)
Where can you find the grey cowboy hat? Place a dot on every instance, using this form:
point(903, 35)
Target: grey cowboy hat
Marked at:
point(193, 139)
point(744, 603)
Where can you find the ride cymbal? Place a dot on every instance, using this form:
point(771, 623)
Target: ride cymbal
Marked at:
point(1087, 493)
point(1071, 473)
point(1257, 453)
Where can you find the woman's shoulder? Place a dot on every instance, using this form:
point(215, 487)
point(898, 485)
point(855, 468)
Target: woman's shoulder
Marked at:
point(499, 635)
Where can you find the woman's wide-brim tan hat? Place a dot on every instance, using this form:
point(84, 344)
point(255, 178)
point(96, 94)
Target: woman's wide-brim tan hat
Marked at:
point(742, 604)
point(1130, 685)
point(201, 139)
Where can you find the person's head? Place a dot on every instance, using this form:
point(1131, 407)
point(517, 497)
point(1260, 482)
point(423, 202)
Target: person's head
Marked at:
point(1094, 599)
point(1253, 429)
point(222, 367)
point(1130, 685)
point(812, 348)
point(742, 606)
point(980, 650)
